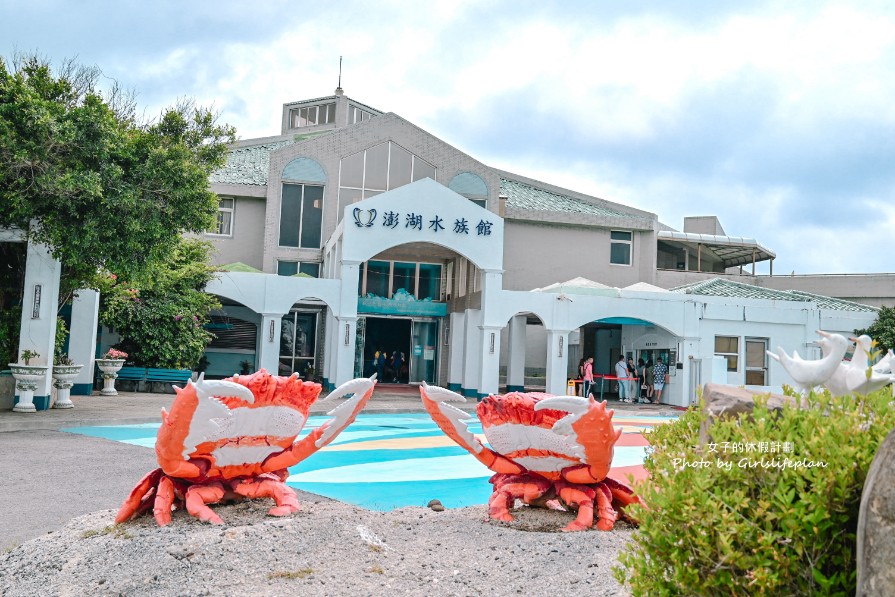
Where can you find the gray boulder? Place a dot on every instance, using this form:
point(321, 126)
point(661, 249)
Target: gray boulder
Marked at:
point(876, 525)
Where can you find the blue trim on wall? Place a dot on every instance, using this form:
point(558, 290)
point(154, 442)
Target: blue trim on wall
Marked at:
point(40, 402)
point(515, 388)
point(82, 389)
point(470, 393)
point(454, 387)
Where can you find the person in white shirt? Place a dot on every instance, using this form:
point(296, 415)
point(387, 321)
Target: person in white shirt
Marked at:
point(621, 372)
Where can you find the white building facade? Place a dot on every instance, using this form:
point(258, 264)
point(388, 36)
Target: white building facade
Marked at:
point(354, 232)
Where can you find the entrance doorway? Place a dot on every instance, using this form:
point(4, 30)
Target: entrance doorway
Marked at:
point(415, 338)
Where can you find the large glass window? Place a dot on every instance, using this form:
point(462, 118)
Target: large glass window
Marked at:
point(301, 216)
point(422, 280)
point(298, 342)
point(620, 247)
point(380, 168)
point(224, 224)
point(313, 115)
point(378, 273)
point(729, 348)
point(291, 268)
point(404, 277)
point(429, 282)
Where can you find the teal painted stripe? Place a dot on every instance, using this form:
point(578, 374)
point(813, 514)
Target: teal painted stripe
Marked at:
point(453, 493)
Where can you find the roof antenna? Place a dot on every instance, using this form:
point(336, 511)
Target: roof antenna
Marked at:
point(339, 88)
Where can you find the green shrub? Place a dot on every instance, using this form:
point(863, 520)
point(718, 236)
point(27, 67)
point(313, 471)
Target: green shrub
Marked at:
point(728, 528)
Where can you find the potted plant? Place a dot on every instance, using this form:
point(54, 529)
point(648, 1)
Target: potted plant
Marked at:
point(27, 378)
point(110, 364)
point(64, 373)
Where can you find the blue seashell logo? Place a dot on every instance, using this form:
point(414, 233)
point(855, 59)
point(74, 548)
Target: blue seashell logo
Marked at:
point(364, 218)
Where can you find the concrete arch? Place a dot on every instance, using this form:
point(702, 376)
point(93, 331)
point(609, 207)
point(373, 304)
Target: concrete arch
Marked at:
point(267, 293)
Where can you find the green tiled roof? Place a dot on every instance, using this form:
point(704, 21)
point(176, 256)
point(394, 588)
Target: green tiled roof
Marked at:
point(730, 288)
point(524, 196)
point(248, 165)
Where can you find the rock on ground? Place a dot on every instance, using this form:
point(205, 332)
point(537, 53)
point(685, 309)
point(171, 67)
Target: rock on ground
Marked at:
point(328, 548)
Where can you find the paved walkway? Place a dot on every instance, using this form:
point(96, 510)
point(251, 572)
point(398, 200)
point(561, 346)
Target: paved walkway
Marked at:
point(50, 476)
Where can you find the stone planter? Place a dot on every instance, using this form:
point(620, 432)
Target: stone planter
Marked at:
point(27, 378)
point(63, 379)
point(110, 369)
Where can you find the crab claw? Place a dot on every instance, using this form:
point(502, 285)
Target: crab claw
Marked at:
point(452, 421)
point(344, 414)
point(219, 388)
point(590, 422)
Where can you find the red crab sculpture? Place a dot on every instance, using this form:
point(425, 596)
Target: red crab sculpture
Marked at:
point(543, 447)
point(234, 439)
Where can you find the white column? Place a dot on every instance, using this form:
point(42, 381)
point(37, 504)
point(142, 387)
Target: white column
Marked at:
point(269, 342)
point(82, 341)
point(346, 323)
point(516, 354)
point(557, 361)
point(472, 359)
point(329, 348)
point(345, 337)
point(489, 372)
point(39, 307)
point(456, 348)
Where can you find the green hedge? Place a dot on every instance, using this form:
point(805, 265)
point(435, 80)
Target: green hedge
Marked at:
point(756, 523)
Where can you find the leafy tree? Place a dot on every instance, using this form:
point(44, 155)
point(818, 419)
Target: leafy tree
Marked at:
point(106, 191)
point(882, 330)
point(160, 314)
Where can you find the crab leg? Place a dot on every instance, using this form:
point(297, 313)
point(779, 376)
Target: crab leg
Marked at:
point(509, 487)
point(343, 415)
point(199, 495)
point(607, 514)
point(582, 497)
point(133, 505)
point(284, 496)
point(164, 498)
point(451, 421)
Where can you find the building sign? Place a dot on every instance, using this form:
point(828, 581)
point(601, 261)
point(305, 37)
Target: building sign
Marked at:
point(434, 223)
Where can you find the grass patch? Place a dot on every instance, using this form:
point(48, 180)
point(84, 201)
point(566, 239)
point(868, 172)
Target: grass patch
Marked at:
point(291, 574)
point(113, 529)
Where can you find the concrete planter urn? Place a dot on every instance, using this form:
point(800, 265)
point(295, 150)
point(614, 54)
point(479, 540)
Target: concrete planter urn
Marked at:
point(110, 369)
point(27, 378)
point(63, 379)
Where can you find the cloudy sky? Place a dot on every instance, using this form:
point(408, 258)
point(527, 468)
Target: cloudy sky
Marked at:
point(777, 117)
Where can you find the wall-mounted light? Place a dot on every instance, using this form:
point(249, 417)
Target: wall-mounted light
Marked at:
point(35, 310)
point(347, 333)
point(492, 342)
point(560, 345)
point(270, 332)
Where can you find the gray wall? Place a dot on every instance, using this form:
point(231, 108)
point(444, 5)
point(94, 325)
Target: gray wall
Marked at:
point(247, 241)
point(536, 255)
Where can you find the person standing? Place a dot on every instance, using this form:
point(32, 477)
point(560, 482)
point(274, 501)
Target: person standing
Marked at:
point(380, 366)
point(621, 372)
point(397, 363)
point(661, 373)
point(649, 376)
point(634, 384)
point(641, 381)
point(588, 375)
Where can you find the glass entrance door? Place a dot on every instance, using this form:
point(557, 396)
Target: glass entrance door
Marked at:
point(424, 351)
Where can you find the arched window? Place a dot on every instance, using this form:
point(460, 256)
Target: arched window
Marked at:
point(470, 186)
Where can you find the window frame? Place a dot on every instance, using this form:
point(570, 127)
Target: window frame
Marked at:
point(617, 241)
point(390, 284)
point(221, 211)
point(728, 355)
point(765, 367)
point(301, 219)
